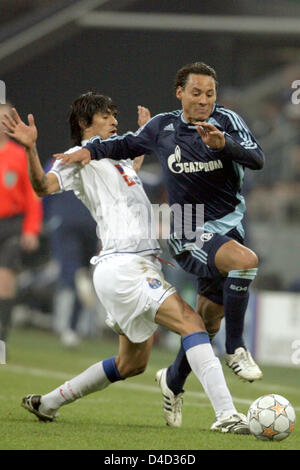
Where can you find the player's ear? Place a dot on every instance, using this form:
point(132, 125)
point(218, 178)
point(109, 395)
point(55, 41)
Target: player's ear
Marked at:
point(82, 124)
point(179, 90)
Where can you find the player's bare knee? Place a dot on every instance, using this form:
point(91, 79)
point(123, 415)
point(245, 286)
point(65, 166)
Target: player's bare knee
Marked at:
point(249, 260)
point(234, 256)
point(242, 259)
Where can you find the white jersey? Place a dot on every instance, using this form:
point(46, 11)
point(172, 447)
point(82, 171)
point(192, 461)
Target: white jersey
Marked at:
point(115, 197)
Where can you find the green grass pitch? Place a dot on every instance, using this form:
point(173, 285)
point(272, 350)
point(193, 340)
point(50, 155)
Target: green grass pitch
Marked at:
point(127, 415)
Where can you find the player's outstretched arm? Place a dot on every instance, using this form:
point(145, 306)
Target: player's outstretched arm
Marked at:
point(82, 156)
point(26, 135)
point(143, 116)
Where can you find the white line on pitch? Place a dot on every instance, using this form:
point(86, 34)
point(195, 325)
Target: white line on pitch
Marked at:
point(147, 388)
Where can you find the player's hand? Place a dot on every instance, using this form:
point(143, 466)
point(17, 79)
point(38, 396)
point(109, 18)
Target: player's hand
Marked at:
point(29, 242)
point(82, 156)
point(137, 163)
point(143, 115)
point(210, 135)
point(17, 129)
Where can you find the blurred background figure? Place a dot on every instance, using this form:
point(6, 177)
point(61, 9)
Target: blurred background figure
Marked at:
point(20, 221)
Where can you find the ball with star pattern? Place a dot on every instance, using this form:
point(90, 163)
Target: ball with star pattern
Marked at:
point(271, 418)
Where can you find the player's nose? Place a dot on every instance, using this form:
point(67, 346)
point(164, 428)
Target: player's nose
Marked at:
point(203, 99)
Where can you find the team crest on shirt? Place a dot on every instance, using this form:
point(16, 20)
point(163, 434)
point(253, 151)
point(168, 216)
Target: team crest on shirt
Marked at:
point(205, 237)
point(153, 283)
point(10, 178)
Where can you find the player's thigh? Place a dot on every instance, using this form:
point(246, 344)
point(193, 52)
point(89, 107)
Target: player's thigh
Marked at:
point(133, 357)
point(177, 316)
point(232, 255)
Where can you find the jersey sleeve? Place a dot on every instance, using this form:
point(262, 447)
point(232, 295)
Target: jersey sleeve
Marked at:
point(129, 145)
point(241, 146)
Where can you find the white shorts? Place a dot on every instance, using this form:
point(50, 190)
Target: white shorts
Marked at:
point(131, 288)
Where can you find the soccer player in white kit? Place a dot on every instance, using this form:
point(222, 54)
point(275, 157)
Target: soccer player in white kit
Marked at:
point(127, 276)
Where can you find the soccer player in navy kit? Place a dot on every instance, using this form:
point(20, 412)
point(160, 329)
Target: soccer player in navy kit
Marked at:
point(203, 149)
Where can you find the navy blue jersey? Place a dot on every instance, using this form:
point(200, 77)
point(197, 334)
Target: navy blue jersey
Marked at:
point(194, 173)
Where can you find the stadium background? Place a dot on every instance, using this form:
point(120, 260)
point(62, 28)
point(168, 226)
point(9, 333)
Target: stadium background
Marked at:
point(52, 51)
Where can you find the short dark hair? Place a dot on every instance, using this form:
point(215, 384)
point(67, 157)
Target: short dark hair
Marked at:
point(83, 110)
point(199, 68)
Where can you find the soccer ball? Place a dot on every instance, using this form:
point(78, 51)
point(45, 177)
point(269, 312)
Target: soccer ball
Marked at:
point(271, 418)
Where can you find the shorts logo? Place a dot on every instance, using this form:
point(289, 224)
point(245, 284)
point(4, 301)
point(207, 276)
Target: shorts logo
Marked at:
point(205, 237)
point(153, 283)
point(238, 288)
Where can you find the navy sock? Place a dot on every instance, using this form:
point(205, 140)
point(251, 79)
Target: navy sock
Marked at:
point(178, 372)
point(236, 297)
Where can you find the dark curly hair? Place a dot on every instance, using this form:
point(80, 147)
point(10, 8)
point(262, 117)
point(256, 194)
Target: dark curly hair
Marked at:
point(83, 110)
point(199, 68)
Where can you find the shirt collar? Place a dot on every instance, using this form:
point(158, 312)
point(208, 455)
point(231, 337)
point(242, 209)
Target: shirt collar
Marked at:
point(84, 142)
point(193, 127)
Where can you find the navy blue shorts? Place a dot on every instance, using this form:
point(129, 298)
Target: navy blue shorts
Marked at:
point(201, 263)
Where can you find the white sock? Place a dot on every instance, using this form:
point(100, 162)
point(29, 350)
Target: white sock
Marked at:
point(89, 381)
point(207, 368)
